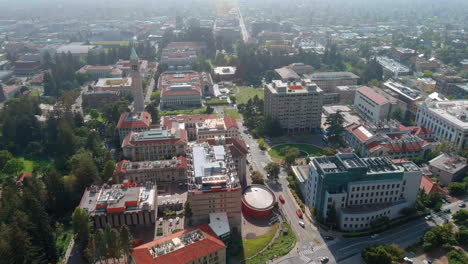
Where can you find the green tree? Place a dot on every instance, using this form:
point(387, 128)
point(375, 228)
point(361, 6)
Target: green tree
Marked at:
point(108, 170)
point(153, 110)
point(188, 211)
point(209, 110)
point(94, 113)
point(427, 74)
point(335, 127)
point(5, 156)
point(460, 216)
point(328, 152)
point(57, 195)
point(382, 254)
point(457, 188)
point(126, 242)
point(457, 257)
point(13, 167)
point(113, 243)
point(66, 140)
point(439, 236)
point(273, 170)
point(101, 247)
point(398, 115)
point(50, 86)
point(257, 178)
point(84, 169)
point(81, 226)
point(90, 250)
point(290, 155)
point(16, 245)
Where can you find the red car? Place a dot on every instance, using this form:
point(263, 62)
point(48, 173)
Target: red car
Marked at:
point(281, 198)
point(299, 213)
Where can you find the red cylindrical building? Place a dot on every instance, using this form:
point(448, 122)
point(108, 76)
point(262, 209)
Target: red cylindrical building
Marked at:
point(257, 201)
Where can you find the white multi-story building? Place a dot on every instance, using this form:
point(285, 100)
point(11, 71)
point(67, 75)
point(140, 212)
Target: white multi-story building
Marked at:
point(361, 191)
point(395, 68)
point(296, 105)
point(448, 120)
point(371, 105)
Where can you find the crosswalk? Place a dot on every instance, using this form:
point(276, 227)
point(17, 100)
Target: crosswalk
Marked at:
point(306, 253)
point(305, 258)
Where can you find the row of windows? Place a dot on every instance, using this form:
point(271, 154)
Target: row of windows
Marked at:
point(368, 217)
point(372, 194)
point(373, 187)
point(377, 200)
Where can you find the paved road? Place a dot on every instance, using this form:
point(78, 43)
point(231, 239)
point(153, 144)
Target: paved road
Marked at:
point(78, 106)
point(245, 33)
point(151, 86)
point(310, 243)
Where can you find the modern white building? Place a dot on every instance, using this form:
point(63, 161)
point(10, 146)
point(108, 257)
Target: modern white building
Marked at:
point(397, 69)
point(448, 120)
point(371, 105)
point(362, 191)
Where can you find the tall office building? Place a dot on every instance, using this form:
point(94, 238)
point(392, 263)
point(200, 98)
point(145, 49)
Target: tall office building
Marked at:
point(137, 89)
point(296, 105)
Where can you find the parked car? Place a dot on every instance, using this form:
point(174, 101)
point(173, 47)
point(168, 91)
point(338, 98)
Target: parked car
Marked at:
point(447, 211)
point(374, 236)
point(429, 217)
point(328, 238)
point(281, 198)
point(324, 259)
point(461, 204)
point(301, 224)
point(299, 213)
point(407, 260)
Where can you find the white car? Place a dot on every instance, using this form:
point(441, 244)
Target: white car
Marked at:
point(324, 259)
point(374, 236)
point(429, 217)
point(301, 224)
point(407, 260)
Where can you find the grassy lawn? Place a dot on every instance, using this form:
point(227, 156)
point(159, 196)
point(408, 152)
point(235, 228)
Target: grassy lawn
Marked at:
point(197, 111)
point(311, 150)
point(246, 93)
point(252, 246)
point(30, 163)
point(280, 247)
point(232, 112)
point(35, 94)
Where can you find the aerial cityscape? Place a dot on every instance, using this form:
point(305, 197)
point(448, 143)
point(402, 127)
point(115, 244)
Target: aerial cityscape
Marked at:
point(233, 131)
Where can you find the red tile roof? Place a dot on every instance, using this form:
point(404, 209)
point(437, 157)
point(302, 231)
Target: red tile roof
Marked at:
point(369, 93)
point(230, 122)
point(143, 122)
point(10, 88)
point(22, 176)
point(27, 64)
point(428, 185)
point(353, 129)
point(189, 253)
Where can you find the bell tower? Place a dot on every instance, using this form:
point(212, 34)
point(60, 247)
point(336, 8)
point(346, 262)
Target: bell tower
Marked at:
point(137, 89)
